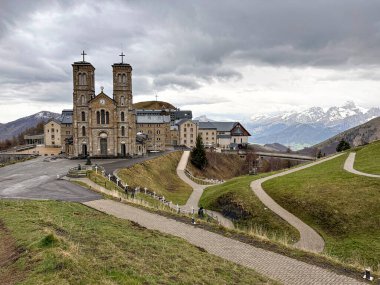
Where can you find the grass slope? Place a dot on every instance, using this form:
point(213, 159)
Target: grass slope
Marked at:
point(159, 175)
point(343, 207)
point(235, 199)
point(368, 158)
point(220, 166)
point(68, 243)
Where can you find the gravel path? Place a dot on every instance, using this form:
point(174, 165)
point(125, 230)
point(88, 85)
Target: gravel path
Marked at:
point(309, 238)
point(276, 266)
point(349, 166)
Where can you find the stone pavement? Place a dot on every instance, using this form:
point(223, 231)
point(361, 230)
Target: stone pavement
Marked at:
point(349, 166)
point(309, 238)
point(276, 266)
point(198, 189)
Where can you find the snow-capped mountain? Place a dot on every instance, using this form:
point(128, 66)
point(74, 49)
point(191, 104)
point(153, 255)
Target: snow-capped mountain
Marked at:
point(310, 126)
point(203, 118)
point(14, 128)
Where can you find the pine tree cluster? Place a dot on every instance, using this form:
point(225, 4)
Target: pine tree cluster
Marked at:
point(342, 146)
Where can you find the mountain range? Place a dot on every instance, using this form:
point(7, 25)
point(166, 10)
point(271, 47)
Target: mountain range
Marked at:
point(309, 127)
point(11, 129)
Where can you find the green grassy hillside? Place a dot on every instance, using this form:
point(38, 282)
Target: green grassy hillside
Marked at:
point(343, 207)
point(368, 158)
point(236, 200)
point(159, 175)
point(67, 243)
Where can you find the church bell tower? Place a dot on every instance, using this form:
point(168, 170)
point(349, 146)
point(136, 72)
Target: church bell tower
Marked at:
point(126, 118)
point(83, 92)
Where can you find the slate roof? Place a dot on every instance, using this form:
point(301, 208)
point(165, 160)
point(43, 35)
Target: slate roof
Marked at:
point(206, 125)
point(153, 119)
point(180, 122)
point(224, 126)
point(66, 117)
point(223, 136)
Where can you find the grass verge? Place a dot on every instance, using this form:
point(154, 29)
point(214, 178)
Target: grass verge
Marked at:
point(368, 158)
point(68, 243)
point(159, 175)
point(236, 200)
point(252, 237)
point(344, 208)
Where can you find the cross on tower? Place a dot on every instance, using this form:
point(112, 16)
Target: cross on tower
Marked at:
point(83, 54)
point(122, 57)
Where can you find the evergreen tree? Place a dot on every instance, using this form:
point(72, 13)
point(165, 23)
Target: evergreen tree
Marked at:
point(342, 146)
point(198, 154)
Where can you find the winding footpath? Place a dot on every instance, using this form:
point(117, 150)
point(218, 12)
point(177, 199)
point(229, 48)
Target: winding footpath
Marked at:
point(309, 239)
point(349, 166)
point(276, 266)
point(193, 201)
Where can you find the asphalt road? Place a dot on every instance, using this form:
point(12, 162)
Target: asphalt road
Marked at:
point(37, 179)
point(111, 166)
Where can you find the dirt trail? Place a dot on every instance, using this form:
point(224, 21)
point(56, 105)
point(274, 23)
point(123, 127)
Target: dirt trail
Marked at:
point(9, 253)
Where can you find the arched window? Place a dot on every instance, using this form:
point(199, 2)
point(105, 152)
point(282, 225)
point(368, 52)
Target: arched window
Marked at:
point(103, 116)
point(107, 117)
point(122, 131)
point(83, 131)
point(82, 78)
point(83, 116)
point(122, 116)
point(119, 78)
point(83, 100)
point(122, 100)
point(124, 79)
point(98, 117)
point(158, 132)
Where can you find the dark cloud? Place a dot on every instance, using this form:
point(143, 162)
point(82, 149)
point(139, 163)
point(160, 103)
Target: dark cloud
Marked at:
point(180, 44)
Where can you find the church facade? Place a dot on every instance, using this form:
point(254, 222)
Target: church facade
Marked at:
point(103, 126)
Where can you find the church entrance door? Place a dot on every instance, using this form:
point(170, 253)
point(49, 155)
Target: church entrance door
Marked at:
point(103, 146)
point(84, 149)
point(123, 151)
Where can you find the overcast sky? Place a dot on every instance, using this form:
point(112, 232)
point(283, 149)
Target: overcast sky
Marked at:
point(225, 59)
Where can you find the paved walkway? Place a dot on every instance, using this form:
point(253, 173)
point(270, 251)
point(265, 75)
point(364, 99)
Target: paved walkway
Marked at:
point(198, 189)
point(309, 238)
point(349, 166)
point(276, 266)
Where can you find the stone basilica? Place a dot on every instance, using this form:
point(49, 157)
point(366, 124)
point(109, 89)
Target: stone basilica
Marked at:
point(103, 126)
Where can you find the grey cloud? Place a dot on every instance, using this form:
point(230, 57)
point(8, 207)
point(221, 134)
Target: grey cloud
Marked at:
point(182, 44)
point(176, 82)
